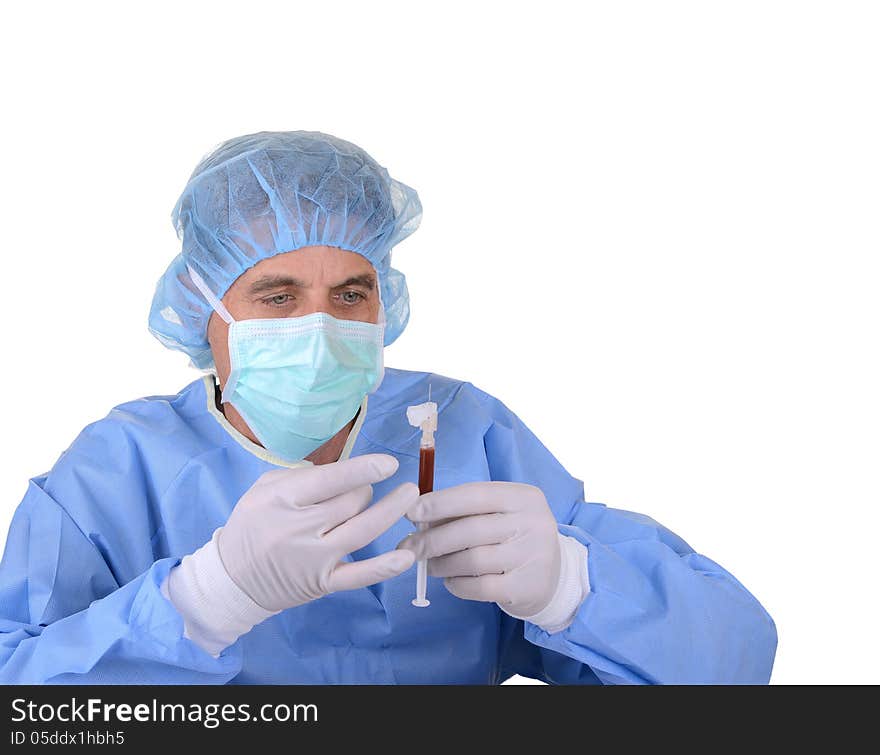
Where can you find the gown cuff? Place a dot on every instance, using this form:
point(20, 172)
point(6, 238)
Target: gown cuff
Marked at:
point(215, 610)
point(571, 589)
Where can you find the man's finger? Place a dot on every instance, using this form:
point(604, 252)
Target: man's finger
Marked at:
point(463, 500)
point(368, 525)
point(357, 574)
point(488, 588)
point(467, 532)
point(337, 510)
point(305, 486)
point(473, 562)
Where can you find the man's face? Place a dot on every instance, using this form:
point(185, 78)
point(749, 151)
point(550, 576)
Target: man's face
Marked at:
point(294, 284)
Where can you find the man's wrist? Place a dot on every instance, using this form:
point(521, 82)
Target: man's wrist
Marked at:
point(216, 611)
point(572, 588)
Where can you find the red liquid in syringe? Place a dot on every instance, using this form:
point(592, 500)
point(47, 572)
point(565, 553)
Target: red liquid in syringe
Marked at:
point(426, 469)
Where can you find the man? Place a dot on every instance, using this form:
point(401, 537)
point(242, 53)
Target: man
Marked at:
point(258, 527)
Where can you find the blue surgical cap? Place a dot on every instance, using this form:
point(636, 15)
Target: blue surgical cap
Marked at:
point(264, 194)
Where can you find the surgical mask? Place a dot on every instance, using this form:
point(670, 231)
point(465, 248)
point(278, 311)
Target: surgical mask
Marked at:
point(297, 381)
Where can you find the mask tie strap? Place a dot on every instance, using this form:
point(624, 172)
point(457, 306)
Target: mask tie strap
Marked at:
point(209, 295)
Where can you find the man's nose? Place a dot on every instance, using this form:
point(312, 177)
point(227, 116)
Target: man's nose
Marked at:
point(310, 304)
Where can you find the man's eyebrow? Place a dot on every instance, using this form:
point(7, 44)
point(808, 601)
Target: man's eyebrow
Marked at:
point(367, 281)
point(268, 282)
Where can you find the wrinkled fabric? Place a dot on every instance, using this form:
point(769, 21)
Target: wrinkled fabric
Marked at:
point(273, 192)
point(92, 541)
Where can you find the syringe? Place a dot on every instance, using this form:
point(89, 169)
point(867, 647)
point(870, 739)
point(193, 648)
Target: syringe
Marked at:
point(425, 417)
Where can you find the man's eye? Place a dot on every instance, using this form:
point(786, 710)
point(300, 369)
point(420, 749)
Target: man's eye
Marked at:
point(352, 297)
point(278, 300)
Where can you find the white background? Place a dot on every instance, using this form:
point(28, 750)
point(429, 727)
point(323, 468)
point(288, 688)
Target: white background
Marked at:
point(650, 228)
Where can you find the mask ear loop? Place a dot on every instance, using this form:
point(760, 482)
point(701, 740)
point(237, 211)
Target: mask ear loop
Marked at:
point(218, 307)
point(382, 324)
point(209, 295)
point(382, 320)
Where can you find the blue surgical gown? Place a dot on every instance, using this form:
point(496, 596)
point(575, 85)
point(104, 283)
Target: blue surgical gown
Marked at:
point(93, 540)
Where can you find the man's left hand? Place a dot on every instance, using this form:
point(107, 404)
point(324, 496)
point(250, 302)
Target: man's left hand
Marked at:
point(492, 541)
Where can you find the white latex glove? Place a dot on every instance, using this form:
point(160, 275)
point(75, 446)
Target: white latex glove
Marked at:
point(492, 541)
point(283, 542)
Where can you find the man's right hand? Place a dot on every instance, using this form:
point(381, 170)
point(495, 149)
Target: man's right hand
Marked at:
point(286, 536)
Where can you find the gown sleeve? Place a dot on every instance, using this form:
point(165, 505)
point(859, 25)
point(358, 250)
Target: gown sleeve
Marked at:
point(657, 611)
point(79, 608)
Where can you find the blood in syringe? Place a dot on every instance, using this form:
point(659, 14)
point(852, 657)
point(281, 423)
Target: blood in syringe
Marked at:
point(426, 469)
